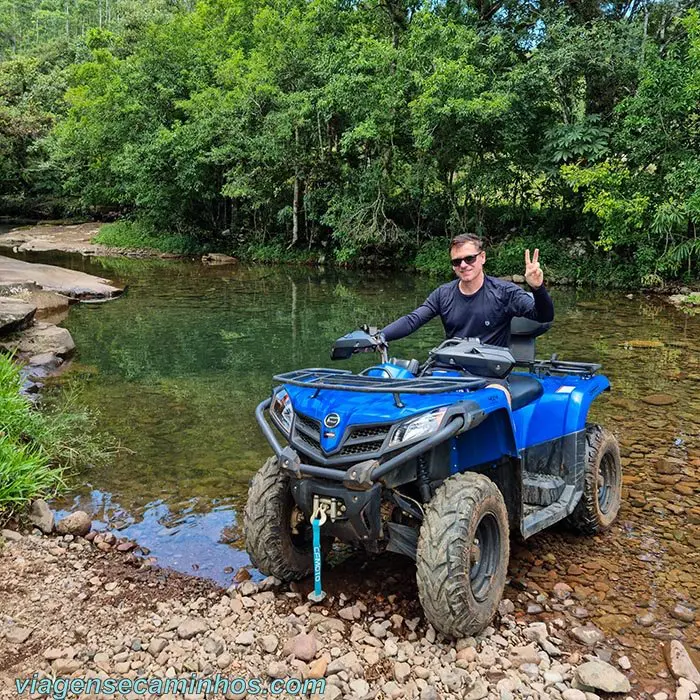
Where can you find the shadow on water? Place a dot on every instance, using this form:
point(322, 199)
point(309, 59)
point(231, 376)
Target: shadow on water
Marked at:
point(177, 366)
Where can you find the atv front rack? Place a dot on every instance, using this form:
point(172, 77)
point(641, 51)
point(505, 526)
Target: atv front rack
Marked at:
point(345, 380)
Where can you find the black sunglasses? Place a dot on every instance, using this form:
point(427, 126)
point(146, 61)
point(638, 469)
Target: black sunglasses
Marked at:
point(469, 259)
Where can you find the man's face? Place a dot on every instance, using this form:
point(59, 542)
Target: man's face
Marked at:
point(468, 271)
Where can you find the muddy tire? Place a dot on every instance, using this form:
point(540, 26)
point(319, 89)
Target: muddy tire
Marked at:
point(462, 558)
point(276, 546)
point(602, 483)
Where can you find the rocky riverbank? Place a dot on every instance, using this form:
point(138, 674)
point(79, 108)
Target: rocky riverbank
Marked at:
point(92, 607)
point(33, 300)
point(67, 238)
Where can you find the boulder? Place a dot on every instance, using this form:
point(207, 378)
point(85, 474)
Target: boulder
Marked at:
point(599, 675)
point(41, 338)
point(15, 315)
point(77, 524)
point(218, 259)
point(42, 516)
point(47, 303)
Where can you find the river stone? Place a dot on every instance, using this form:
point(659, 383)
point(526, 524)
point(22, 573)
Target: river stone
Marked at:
point(573, 694)
point(302, 646)
point(192, 627)
point(477, 692)
point(659, 399)
point(48, 304)
point(401, 671)
point(71, 283)
point(602, 676)
point(680, 662)
point(644, 344)
point(10, 535)
point(683, 613)
point(524, 655)
point(17, 634)
point(218, 259)
point(245, 638)
point(77, 523)
point(269, 643)
point(42, 516)
point(46, 360)
point(589, 635)
point(39, 339)
point(15, 315)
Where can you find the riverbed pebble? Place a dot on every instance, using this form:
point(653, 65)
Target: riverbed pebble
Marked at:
point(167, 624)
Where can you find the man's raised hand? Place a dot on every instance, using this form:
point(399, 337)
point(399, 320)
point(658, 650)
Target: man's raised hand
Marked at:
point(533, 272)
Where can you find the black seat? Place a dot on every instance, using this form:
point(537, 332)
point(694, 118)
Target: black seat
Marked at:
point(523, 389)
point(523, 332)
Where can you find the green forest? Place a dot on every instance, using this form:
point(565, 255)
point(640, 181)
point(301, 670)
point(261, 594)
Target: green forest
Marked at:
point(355, 131)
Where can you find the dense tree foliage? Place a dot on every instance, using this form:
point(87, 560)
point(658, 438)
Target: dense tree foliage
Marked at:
point(348, 128)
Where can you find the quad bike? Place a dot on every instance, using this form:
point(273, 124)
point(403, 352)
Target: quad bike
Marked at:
point(427, 461)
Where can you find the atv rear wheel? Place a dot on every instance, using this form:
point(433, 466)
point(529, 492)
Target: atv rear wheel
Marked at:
point(277, 535)
point(602, 487)
point(462, 558)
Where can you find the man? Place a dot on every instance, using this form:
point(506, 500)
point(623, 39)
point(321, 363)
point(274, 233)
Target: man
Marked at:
point(478, 306)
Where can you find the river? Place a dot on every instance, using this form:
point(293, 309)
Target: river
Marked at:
point(177, 365)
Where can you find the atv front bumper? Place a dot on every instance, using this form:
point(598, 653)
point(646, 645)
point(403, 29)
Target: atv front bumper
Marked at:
point(363, 475)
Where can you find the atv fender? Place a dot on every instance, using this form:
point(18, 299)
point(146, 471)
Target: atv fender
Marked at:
point(580, 401)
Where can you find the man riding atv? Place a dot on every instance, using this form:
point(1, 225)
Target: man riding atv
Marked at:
point(478, 306)
point(432, 459)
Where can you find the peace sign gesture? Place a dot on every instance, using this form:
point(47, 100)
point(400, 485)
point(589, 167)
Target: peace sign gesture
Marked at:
point(533, 272)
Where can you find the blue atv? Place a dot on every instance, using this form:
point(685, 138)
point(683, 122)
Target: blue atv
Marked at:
point(427, 461)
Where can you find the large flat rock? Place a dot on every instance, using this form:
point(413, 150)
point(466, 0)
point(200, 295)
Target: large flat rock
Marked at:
point(71, 283)
point(15, 315)
point(71, 238)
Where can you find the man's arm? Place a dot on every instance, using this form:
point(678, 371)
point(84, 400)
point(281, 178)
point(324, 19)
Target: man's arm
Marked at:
point(405, 325)
point(538, 307)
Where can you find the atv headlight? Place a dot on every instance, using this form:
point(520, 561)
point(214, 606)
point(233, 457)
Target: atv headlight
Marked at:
point(417, 428)
point(282, 410)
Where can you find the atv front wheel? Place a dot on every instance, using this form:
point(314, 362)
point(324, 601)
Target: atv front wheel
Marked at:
point(278, 536)
point(462, 558)
point(602, 487)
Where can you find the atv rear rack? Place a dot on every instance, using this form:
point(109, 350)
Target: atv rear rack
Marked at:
point(561, 367)
point(344, 380)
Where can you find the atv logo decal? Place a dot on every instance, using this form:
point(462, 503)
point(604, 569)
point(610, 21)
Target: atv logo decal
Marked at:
point(331, 420)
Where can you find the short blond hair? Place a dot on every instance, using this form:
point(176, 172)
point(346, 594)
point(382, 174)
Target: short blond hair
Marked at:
point(467, 238)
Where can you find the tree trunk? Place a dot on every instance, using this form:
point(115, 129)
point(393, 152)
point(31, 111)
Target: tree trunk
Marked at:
point(297, 195)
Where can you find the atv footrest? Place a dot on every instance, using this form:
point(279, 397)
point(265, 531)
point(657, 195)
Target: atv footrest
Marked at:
point(542, 489)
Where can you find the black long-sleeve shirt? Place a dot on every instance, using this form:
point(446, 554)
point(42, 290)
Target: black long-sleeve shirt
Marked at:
point(486, 314)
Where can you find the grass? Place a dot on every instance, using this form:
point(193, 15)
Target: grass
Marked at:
point(130, 234)
point(39, 448)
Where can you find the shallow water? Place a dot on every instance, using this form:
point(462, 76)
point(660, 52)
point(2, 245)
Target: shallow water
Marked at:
point(177, 366)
